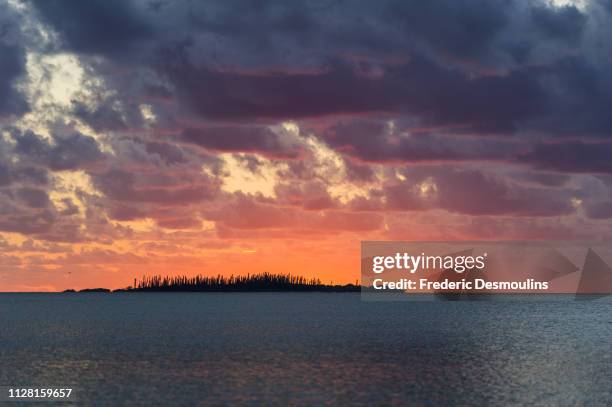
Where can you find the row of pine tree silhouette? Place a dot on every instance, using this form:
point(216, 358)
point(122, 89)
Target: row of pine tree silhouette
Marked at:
point(250, 282)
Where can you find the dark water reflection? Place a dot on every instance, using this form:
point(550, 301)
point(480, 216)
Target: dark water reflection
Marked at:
point(306, 349)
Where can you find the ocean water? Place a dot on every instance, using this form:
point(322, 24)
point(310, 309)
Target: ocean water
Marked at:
point(303, 349)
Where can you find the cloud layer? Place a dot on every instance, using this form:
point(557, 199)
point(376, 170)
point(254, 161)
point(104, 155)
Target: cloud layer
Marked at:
point(183, 133)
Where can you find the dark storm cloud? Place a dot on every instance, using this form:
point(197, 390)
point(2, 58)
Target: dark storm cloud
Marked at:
point(5, 175)
point(31, 175)
point(169, 153)
point(475, 193)
point(28, 213)
point(20, 172)
point(463, 80)
point(607, 4)
point(576, 156)
point(253, 139)
point(563, 23)
point(382, 141)
point(33, 197)
point(12, 66)
point(25, 163)
point(599, 210)
point(64, 152)
point(548, 179)
point(420, 87)
point(12, 63)
point(27, 222)
point(231, 95)
point(105, 27)
point(106, 117)
point(357, 172)
point(124, 186)
point(579, 93)
point(472, 192)
point(439, 61)
point(462, 28)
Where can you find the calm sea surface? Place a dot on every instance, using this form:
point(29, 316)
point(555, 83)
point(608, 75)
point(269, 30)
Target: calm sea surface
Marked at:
point(294, 349)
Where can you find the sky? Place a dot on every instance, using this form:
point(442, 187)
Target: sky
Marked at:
point(234, 137)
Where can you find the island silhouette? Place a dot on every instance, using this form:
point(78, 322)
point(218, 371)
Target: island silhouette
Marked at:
point(246, 283)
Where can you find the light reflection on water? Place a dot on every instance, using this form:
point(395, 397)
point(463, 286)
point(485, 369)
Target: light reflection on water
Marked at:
point(306, 349)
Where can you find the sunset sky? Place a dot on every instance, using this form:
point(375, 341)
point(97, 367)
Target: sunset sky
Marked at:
point(184, 137)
